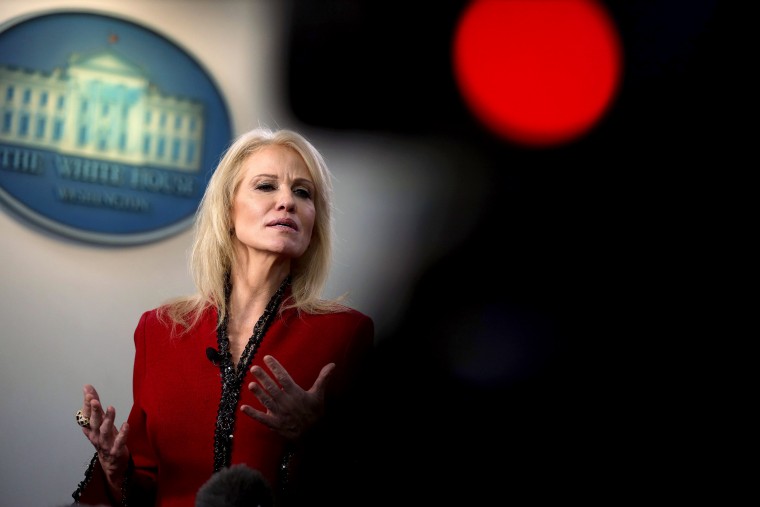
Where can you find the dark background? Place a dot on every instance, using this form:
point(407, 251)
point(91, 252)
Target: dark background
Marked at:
point(565, 348)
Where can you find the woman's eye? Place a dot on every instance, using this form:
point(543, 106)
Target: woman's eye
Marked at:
point(302, 192)
point(266, 187)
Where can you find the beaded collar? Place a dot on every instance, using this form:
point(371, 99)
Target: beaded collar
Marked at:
point(232, 378)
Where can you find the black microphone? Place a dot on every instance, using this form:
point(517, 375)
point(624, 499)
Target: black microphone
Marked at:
point(214, 356)
point(235, 486)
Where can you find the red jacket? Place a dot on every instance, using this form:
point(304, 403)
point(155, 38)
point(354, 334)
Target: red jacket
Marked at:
point(176, 394)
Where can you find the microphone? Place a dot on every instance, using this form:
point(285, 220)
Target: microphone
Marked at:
point(214, 356)
point(236, 486)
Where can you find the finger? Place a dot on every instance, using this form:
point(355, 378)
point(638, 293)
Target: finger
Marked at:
point(106, 427)
point(96, 413)
point(280, 373)
point(89, 394)
point(257, 415)
point(324, 375)
point(95, 417)
point(263, 396)
point(253, 413)
point(89, 390)
point(120, 442)
point(265, 380)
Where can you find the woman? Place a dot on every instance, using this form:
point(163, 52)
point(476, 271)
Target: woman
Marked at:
point(293, 366)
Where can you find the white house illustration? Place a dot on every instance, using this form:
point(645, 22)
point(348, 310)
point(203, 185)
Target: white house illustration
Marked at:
point(100, 106)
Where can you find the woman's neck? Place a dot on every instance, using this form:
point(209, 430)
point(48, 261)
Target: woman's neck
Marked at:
point(249, 297)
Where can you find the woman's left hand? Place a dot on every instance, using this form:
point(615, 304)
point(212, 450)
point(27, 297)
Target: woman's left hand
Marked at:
point(291, 411)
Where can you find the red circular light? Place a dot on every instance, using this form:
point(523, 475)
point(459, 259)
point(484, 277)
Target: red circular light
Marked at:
point(538, 72)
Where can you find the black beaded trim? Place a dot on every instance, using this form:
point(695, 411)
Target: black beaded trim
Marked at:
point(77, 495)
point(284, 471)
point(232, 379)
point(125, 483)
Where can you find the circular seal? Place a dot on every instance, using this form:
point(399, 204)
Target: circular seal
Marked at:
point(109, 131)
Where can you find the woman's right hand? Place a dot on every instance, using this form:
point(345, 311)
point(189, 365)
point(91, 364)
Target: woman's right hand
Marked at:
point(110, 443)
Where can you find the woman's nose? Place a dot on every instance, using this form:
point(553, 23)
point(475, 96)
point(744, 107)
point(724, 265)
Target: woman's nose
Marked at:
point(286, 200)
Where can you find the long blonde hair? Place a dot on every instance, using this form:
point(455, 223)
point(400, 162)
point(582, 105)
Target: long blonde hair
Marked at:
point(212, 254)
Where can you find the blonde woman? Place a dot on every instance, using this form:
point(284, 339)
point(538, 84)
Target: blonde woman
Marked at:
point(255, 368)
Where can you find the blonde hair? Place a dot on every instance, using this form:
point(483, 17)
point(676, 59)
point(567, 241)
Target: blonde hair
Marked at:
point(212, 254)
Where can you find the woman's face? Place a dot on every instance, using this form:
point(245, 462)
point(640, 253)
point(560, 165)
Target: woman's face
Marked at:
point(273, 208)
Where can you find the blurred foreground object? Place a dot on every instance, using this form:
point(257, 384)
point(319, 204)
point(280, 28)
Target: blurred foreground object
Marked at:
point(235, 486)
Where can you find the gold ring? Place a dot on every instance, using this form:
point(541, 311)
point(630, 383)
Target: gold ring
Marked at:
point(83, 421)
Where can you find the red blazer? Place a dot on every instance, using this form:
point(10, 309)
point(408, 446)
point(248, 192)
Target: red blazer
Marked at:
point(176, 393)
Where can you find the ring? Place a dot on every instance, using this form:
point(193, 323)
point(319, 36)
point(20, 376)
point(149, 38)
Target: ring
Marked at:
point(83, 421)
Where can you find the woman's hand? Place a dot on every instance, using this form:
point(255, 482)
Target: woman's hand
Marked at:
point(291, 411)
point(110, 443)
